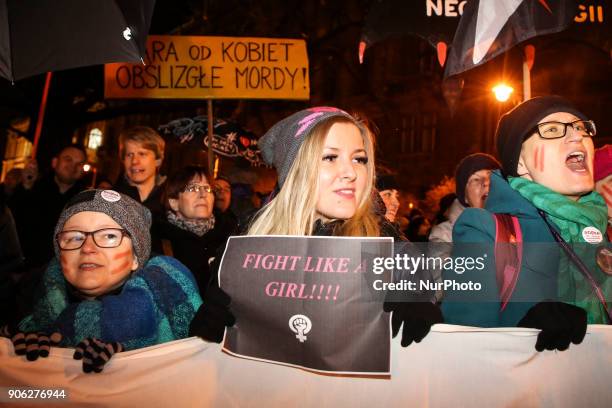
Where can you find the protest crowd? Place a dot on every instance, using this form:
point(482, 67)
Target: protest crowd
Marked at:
point(136, 264)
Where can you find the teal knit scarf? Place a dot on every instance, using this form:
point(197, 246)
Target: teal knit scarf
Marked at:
point(571, 218)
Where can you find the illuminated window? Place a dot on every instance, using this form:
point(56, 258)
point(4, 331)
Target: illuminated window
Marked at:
point(95, 138)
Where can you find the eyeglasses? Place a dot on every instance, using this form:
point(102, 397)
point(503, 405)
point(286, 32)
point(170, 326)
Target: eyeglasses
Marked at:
point(103, 238)
point(197, 188)
point(556, 130)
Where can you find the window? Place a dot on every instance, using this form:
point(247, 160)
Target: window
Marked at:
point(418, 133)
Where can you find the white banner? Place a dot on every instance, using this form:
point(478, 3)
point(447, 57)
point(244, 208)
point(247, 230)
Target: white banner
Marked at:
point(453, 366)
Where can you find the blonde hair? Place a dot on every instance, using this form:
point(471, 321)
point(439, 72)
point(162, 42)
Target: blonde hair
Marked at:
point(293, 210)
point(147, 137)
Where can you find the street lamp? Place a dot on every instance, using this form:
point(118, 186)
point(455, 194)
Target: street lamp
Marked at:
point(502, 92)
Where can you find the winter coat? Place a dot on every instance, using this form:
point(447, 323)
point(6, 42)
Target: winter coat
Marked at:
point(155, 305)
point(153, 202)
point(36, 212)
point(443, 232)
point(192, 250)
point(537, 279)
point(11, 260)
point(440, 241)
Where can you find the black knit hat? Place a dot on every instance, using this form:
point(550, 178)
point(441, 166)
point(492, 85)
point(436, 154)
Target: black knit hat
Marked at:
point(386, 182)
point(518, 125)
point(468, 166)
point(125, 211)
point(280, 145)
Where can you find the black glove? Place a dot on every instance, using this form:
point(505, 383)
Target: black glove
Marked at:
point(418, 317)
point(560, 323)
point(32, 345)
point(95, 353)
point(212, 317)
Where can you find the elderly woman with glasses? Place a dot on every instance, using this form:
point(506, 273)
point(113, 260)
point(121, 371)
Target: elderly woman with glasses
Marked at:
point(544, 204)
point(188, 231)
point(102, 294)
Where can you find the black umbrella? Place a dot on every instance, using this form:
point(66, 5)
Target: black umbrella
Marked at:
point(38, 36)
point(433, 21)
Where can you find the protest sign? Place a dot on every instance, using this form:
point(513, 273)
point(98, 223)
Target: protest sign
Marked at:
point(308, 302)
point(197, 67)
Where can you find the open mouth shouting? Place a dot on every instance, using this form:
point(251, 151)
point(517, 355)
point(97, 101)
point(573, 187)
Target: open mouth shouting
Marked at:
point(576, 161)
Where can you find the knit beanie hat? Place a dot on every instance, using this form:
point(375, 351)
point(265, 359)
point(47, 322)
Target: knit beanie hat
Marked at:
point(602, 165)
point(280, 145)
point(518, 125)
point(386, 182)
point(468, 166)
point(125, 211)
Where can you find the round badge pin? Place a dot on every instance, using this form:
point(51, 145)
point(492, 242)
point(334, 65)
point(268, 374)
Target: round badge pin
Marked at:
point(110, 195)
point(592, 235)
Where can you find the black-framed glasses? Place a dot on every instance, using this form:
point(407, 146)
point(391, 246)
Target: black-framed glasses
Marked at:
point(103, 238)
point(556, 130)
point(198, 188)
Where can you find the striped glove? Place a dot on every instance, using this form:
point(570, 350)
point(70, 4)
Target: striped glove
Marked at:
point(95, 353)
point(31, 344)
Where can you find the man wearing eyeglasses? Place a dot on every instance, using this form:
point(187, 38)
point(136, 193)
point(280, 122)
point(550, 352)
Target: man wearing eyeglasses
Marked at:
point(542, 203)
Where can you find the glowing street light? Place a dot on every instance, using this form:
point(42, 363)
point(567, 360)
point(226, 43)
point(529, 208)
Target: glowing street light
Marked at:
point(86, 168)
point(502, 92)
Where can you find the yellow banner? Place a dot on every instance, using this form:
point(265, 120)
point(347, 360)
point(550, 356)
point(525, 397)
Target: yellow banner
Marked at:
point(196, 67)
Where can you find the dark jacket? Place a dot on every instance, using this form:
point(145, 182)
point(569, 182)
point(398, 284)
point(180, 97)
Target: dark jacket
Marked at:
point(538, 275)
point(226, 223)
point(153, 202)
point(192, 250)
point(36, 212)
point(11, 259)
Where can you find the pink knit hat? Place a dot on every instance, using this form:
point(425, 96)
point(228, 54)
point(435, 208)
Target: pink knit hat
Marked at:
point(602, 165)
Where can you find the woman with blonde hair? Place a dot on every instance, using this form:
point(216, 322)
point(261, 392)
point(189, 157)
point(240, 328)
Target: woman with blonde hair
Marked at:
point(324, 158)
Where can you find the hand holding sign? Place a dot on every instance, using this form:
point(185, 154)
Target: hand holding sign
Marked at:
point(213, 315)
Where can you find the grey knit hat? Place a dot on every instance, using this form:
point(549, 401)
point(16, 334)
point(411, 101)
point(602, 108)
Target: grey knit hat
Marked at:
point(125, 211)
point(280, 145)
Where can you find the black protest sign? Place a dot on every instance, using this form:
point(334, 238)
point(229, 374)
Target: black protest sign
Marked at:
point(308, 302)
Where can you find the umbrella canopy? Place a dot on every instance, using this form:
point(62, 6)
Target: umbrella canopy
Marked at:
point(38, 36)
point(433, 21)
point(229, 139)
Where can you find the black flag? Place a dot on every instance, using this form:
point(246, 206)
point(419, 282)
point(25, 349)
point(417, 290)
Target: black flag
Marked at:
point(491, 27)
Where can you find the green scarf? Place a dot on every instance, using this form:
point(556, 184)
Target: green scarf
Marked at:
point(571, 218)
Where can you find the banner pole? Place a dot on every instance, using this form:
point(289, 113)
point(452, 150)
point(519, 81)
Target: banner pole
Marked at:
point(41, 114)
point(211, 153)
point(528, 58)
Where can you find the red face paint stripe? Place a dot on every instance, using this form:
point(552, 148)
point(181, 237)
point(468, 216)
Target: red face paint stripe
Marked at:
point(121, 255)
point(120, 268)
point(542, 151)
point(536, 155)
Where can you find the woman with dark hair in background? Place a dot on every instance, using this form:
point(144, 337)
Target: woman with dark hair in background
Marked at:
point(187, 231)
